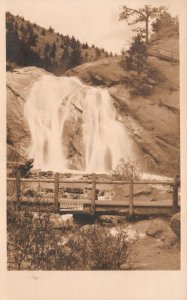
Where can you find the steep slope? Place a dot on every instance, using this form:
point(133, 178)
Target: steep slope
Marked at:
point(31, 45)
point(19, 84)
point(152, 112)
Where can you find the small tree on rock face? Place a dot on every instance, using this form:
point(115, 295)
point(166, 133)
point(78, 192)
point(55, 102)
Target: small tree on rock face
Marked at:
point(137, 56)
point(141, 15)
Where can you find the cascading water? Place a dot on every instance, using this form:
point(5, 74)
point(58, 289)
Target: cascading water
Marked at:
point(74, 127)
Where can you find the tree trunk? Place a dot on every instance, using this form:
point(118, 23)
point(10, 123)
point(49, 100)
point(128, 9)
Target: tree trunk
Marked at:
point(147, 30)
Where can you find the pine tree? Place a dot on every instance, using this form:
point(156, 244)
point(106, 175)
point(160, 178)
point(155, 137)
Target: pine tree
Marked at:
point(51, 30)
point(16, 26)
point(76, 58)
point(9, 25)
point(53, 50)
point(163, 20)
point(141, 15)
point(98, 52)
point(43, 31)
point(46, 49)
point(32, 39)
point(12, 45)
point(137, 56)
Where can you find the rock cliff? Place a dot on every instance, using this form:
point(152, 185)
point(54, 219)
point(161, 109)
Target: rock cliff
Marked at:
point(151, 114)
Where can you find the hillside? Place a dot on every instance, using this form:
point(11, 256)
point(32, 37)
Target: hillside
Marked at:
point(28, 44)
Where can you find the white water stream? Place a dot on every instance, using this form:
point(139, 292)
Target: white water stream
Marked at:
point(60, 109)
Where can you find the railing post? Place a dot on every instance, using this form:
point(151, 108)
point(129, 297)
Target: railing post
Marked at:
point(131, 208)
point(18, 186)
point(92, 208)
point(56, 191)
point(175, 193)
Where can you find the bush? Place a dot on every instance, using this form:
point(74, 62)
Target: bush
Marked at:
point(127, 170)
point(96, 248)
point(31, 242)
point(34, 245)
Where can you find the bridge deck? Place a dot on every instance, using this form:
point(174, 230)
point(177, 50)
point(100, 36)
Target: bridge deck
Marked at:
point(117, 207)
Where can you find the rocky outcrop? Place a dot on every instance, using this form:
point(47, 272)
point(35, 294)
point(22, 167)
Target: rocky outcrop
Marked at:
point(19, 83)
point(151, 114)
point(175, 224)
point(160, 230)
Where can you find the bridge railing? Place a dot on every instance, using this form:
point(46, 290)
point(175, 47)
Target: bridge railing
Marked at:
point(57, 182)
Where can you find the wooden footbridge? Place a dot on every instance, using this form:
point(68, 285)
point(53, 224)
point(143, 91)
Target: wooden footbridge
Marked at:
point(91, 205)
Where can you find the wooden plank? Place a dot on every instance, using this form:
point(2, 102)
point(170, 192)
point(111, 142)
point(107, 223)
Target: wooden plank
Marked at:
point(11, 179)
point(168, 182)
point(175, 193)
point(136, 203)
point(92, 207)
point(56, 191)
point(131, 198)
point(37, 180)
point(18, 186)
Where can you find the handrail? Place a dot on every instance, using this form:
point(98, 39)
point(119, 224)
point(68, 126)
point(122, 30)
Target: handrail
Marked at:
point(169, 182)
point(57, 181)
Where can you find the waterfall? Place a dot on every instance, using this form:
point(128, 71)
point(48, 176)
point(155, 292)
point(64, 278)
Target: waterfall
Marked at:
point(74, 127)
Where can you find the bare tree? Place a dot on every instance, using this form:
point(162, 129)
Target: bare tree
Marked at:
point(141, 15)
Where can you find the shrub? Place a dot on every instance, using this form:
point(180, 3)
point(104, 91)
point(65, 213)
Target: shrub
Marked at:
point(127, 170)
point(96, 248)
point(34, 245)
point(31, 241)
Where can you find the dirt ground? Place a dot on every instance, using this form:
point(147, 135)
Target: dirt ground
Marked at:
point(151, 253)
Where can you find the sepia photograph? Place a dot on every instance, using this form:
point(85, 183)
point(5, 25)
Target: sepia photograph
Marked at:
point(93, 135)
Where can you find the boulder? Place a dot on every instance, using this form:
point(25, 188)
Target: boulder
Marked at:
point(87, 228)
point(111, 219)
point(157, 228)
point(175, 224)
point(60, 222)
point(160, 230)
point(145, 89)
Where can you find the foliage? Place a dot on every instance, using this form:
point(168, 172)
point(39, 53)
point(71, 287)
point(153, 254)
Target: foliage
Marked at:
point(53, 50)
point(75, 58)
point(164, 20)
point(31, 243)
point(96, 248)
point(127, 170)
point(43, 31)
point(34, 245)
point(137, 55)
point(29, 44)
point(141, 15)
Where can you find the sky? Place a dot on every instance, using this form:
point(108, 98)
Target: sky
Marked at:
point(93, 21)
